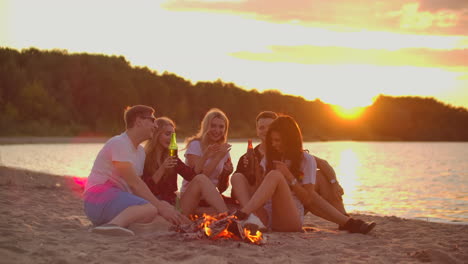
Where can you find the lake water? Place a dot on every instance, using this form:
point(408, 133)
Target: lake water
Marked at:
point(422, 180)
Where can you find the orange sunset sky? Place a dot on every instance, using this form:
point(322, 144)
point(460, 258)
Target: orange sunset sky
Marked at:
point(344, 52)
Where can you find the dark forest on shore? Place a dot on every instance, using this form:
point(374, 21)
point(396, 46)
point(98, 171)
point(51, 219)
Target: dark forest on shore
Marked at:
point(54, 93)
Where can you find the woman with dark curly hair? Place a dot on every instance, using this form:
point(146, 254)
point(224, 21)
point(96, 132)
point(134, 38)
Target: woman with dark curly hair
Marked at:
point(287, 186)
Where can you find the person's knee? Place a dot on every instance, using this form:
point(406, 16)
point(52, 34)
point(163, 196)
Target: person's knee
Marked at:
point(236, 177)
point(274, 175)
point(149, 210)
point(201, 179)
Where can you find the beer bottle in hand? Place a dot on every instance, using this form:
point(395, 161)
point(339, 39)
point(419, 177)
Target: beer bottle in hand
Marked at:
point(250, 172)
point(173, 153)
point(173, 146)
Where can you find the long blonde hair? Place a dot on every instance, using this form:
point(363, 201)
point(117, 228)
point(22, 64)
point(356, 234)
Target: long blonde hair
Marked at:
point(205, 127)
point(155, 153)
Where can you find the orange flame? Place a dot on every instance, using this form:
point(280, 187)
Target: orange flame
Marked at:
point(256, 239)
point(205, 224)
point(225, 233)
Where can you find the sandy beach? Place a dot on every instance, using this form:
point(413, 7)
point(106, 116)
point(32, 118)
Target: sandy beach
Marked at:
point(42, 221)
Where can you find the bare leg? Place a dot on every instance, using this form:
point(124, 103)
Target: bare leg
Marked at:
point(135, 214)
point(324, 189)
point(285, 214)
point(322, 208)
point(243, 191)
point(201, 188)
point(241, 188)
point(317, 212)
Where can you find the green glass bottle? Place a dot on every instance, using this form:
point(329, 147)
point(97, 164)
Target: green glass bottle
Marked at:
point(173, 146)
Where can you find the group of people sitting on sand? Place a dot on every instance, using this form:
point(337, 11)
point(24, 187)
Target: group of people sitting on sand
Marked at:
point(132, 184)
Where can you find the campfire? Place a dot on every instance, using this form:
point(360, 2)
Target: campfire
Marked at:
point(218, 227)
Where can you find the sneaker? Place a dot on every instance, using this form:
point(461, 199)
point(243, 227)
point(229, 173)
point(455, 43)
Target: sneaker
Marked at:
point(367, 227)
point(112, 230)
point(358, 226)
point(253, 223)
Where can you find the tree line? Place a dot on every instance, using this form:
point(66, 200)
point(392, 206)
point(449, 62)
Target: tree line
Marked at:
point(54, 93)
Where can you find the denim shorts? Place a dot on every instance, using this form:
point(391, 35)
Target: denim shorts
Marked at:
point(104, 202)
point(269, 208)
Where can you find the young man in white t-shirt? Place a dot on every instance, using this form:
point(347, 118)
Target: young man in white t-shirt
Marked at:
point(115, 195)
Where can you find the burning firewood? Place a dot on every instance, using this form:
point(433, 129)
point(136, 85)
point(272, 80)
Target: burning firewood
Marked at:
point(221, 226)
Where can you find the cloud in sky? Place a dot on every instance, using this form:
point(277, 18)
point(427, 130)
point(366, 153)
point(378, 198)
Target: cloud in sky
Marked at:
point(396, 47)
point(422, 17)
point(308, 54)
point(435, 5)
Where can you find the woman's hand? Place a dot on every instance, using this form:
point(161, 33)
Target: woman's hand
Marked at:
point(211, 150)
point(167, 166)
point(218, 150)
point(283, 168)
point(169, 163)
point(225, 148)
point(337, 191)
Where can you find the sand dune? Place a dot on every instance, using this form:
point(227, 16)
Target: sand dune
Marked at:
point(42, 221)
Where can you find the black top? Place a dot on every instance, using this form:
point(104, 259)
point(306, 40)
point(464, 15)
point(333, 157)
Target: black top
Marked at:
point(167, 185)
point(241, 168)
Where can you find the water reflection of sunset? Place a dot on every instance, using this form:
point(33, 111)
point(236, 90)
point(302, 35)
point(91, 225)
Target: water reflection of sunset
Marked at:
point(372, 183)
point(348, 167)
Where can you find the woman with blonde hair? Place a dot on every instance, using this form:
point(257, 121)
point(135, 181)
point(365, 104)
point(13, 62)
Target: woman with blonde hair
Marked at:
point(160, 173)
point(208, 151)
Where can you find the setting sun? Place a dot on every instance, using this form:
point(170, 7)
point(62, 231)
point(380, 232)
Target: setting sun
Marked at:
point(348, 112)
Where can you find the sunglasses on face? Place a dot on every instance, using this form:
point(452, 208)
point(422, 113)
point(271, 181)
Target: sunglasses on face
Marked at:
point(149, 117)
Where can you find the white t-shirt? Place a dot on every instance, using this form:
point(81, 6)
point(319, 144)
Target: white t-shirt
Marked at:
point(194, 148)
point(118, 148)
point(308, 167)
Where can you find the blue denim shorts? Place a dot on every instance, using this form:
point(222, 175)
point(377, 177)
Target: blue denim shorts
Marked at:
point(104, 202)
